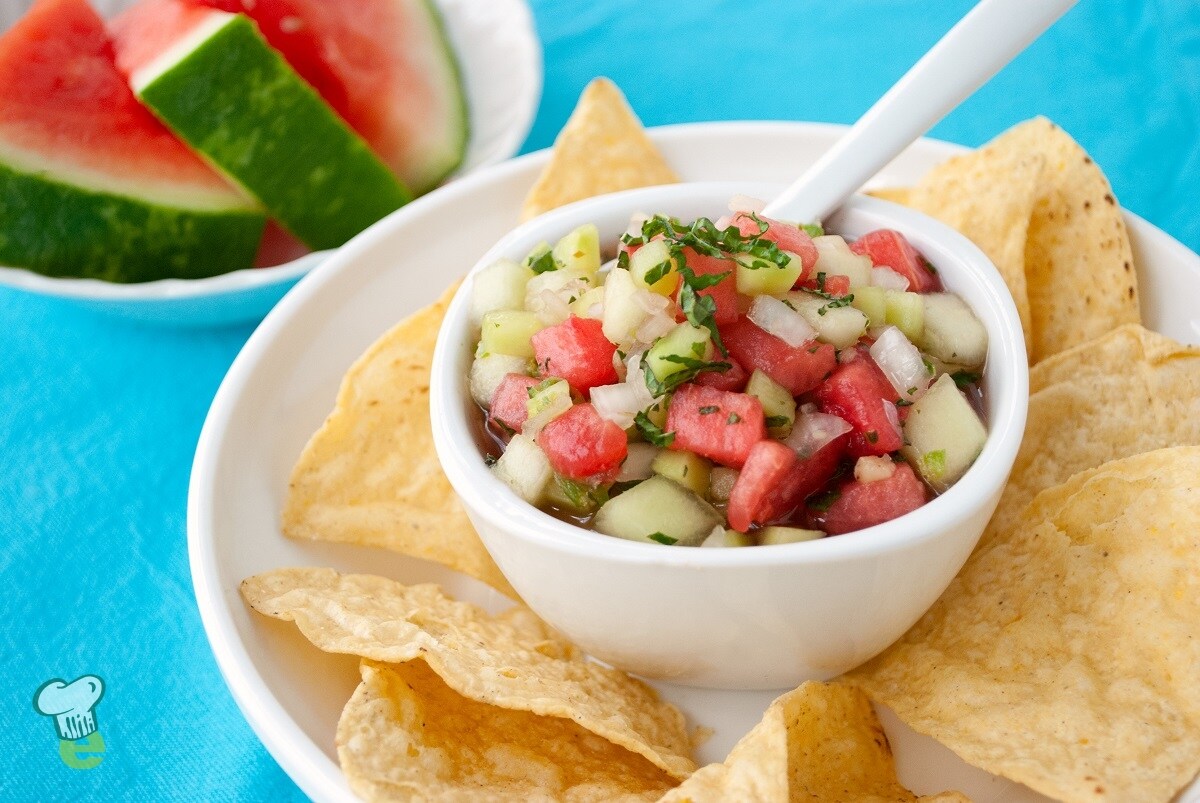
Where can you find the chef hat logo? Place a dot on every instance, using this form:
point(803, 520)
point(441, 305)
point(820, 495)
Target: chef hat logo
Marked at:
point(71, 705)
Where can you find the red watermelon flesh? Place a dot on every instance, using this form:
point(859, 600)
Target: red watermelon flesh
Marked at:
point(66, 110)
point(384, 66)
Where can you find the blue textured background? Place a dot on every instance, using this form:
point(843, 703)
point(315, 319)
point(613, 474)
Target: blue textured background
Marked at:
point(99, 418)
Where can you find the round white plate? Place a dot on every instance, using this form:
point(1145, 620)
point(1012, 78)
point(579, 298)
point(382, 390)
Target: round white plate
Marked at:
point(501, 60)
point(283, 384)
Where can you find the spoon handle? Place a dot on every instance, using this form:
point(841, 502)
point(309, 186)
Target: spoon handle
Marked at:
point(974, 50)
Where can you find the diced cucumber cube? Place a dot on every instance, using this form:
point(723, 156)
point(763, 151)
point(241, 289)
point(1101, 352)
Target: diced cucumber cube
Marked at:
point(952, 332)
point(563, 283)
point(488, 371)
point(905, 311)
point(647, 263)
point(839, 325)
point(757, 277)
point(721, 537)
point(524, 468)
point(509, 332)
point(720, 483)
point(686, 468)
point(534, 259)
point(658, 511)
point(622, 312)
point(579, 251)
point(834, 258)
point(943, 434)
point(670, 354)
point(871, 300)
point(575, 498)
point(547, 401)
point(779, 406)
point(786, 535)
point(589, 305)
point(499, 286)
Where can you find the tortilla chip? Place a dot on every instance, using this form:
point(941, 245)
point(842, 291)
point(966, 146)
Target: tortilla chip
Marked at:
point(821, 742)
point(406, 735)
point(510, 661)
point(370, 476)
point(1127, 392)
point(897, 195)
point(989, 197)
point(1078, 260)
point(603, 148)
point(1065, 654)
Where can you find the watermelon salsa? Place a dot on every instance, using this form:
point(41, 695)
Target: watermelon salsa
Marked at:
point(732, 383)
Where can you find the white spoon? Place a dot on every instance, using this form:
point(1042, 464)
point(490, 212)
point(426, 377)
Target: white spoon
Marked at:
point(974, 50)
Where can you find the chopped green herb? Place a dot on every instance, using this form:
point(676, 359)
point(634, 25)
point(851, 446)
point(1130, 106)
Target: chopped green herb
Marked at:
point(773, 421)
point(698, 349)
point(490, 459)
point(534, 390)
point(834, 301)
point(872, 437)
point(662, 539)
point(692, 368)
point(652, 432)
point(709, 409)
point(965, 378)
point(734, 418)
point(582, 496)
point(812, 229)
point(929, 266)
point(934, 463)
point(823, 502)
point(903, 403)
point(544, 263)
point(656, 273)
point(623, 260)
point(928, 365)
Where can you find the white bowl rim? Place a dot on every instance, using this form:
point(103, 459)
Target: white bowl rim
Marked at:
point(1007, 374)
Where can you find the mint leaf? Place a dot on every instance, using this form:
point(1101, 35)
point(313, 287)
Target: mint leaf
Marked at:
point(652, 432)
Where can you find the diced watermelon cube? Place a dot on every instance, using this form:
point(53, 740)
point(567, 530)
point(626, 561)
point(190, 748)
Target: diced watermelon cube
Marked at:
point(836, 285)
point(864, 504)
point(860, 393)
point(724, 292)
point(717, 424)
point(583, 446)
point(797, 368)
point(784, 235)
point(887, 247)
point(576, 350)
point(775, 480)
point(510, 404)
point(733, 380)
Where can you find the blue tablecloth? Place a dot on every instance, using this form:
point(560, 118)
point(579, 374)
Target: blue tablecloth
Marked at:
point(99, 417)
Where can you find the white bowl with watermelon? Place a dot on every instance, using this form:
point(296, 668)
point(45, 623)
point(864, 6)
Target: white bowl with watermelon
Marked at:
point(89, 146)
point(796, 605)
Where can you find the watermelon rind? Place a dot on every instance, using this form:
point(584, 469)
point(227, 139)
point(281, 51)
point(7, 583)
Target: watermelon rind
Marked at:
point(231, 97)
point(65, 230)
point(436, 165)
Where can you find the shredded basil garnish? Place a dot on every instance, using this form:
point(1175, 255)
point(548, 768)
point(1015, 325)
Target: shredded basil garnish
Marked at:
point(662, 539)
point(691, 369)
point(709, 409)
point(823, 502)
point(544, 264)
point(652, 432)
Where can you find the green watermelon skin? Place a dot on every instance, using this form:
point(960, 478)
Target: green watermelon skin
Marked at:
point(237, 102)
point(59, 229)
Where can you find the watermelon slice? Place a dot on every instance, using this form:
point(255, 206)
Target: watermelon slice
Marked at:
point(215, 81)
point(91, 184)
point(385, 66)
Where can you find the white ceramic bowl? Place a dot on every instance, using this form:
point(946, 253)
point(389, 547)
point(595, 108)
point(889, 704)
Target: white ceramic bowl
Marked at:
point(501, 59)
point(757, 618)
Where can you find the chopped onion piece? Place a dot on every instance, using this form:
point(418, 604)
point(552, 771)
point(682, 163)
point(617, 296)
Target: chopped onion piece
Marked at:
point(888, 279)
point(746, 203)
point(901, 363)
point(873, 469)
point(637, 462)
point(777, 318)
point(814, 431)
point(715, 539)
point(651, 302)
point(620, 403)
point(893, 417)
point(634, 229)
point(654, 327)
point(550, 308)
point(557, 406)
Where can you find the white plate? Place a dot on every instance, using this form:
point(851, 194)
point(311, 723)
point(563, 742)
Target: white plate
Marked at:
point(501, 59)
point(283, 384)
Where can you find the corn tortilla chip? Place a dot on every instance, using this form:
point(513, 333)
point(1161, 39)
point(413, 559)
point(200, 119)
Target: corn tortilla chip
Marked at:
point(897, 195)
point(406, 735)
point(1065, 654)
point(370, 476)
point(1078, 259)
point(1127, 392)
point(510, 661)
point(820, 742)
point(988, 196)
point(601, 149)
